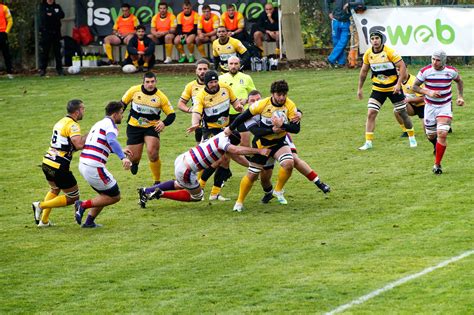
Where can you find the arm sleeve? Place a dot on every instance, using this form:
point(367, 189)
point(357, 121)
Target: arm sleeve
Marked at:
point(169, 119)
point(291, 127)
point(9, 18)
point(112, 141)
point(245, 57)
point(60, 15)
point(260, 131)
point(240, 119)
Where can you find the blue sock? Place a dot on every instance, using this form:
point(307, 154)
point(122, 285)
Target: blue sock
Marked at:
point(169, 185)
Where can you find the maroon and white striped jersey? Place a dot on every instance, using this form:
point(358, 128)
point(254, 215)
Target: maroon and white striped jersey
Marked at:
point(207, 152)
point(96, 150)
point(439, 81)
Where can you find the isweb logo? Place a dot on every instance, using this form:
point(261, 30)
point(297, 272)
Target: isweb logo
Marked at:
point(418, 34)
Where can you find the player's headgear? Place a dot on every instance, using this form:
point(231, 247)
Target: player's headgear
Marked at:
point(441, 55)
point(235, 137)
point(377, 33)
point(210, 76)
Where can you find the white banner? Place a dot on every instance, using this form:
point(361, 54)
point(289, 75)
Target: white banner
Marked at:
point(419, 31)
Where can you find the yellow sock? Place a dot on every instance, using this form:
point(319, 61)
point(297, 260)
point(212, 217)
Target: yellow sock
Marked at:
point(403, 127)
point(145, 64)
point(283, 176)
point(202, 183)
point(201, 50)
point(155, 168)
point(411, 132)
point(369, 136)
point(56, 202)
point(47, 211)
point(180, 49)
point(135, 63)
point(191, 48)
point(168, 49)
point(108, 51)
point(245, 186)
point(215, 190)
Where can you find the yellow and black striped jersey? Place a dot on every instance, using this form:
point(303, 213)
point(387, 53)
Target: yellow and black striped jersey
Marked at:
point(409, 92)
point(146, 106)
point(59, 154)
point(191, 90)
point(266, 109)
point(227, 50)
point(382, 65)
point(214, 108)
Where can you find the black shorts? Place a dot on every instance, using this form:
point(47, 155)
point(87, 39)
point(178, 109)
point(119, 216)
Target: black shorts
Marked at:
point(419, 111)
point(261, 159)
point(64, 179)
point(136, 135)
point(382, 96)
point(111, 192)
point(210, 132)
point(159, 40)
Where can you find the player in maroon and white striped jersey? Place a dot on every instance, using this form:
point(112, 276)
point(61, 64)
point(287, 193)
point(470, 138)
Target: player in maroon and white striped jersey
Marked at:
point(437, 78)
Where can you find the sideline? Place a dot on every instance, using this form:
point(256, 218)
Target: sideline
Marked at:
point(401, 281)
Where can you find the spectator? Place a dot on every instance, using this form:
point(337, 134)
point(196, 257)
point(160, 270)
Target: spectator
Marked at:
point(6, 23)
point(141, 50)
point(163, 28)
point(340, 32)
point(207, 28)
point(186, 31)
point(267, 28)
point(50, 14)
point(234, 22)
point(123, 31)
point(225, 47)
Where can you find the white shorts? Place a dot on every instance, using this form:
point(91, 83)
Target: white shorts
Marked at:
point(98, 177)
point(432, 112)
point(185, 177)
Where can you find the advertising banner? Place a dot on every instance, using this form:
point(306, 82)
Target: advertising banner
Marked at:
point(100, 15)
point(418, 31)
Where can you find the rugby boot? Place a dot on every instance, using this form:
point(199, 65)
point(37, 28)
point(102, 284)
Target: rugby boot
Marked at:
point(142, 197)
point(134, 168)
point(437, 170)
point(267, 197)
point(79, 211)
point(367, 146)
point(155, 195)
point(280, 197)
point(37, 211)
point(238, 207)
point(324, 187)
point(218, 197)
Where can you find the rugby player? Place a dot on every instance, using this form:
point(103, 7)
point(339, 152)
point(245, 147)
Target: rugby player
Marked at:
point(438, 77)
point(100, 143)
point(66, 139)
point(386, 83)
point(144, 123)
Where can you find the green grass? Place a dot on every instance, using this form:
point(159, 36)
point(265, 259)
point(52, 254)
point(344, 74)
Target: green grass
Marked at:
point(387, 217)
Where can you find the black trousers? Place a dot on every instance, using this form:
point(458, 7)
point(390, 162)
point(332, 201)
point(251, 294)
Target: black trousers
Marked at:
point(48, 42)
point(5, 47)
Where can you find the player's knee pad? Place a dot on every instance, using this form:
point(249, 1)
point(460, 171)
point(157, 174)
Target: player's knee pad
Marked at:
point(254, 169)
point(400, 107)
point(443, 127)
point(285, 158)
point(430, 130)
point(374, 104)
point(72, 194)
point(198, 196)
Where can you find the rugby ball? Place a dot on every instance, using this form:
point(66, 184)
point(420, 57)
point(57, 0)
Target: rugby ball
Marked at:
point(73, 70)
point(129, 68)
point(280, 114)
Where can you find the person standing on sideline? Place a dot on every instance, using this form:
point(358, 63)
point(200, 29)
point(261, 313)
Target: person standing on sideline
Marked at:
point(50, 15)
point(100, 143)
point(144, 123)
point(386, 83)
point(340, 24)
point(6, 22)
point(66, 139)
point(437, 78)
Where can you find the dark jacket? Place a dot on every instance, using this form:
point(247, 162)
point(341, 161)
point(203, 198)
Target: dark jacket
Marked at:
point(263, 22)
point(50, 23)
point(133, 45)
point(340, 14)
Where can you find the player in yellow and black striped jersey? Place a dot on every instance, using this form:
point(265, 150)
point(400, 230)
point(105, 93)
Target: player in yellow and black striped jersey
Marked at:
point(415, 102)
point(191, 90)
point(225, 47)
point(276, 114)
point(144, 123)
point(383, 61)
point(66, 139)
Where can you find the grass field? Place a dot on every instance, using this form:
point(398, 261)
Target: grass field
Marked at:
point(386, 218)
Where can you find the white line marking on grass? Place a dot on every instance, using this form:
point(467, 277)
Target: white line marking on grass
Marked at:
point(401, 281)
